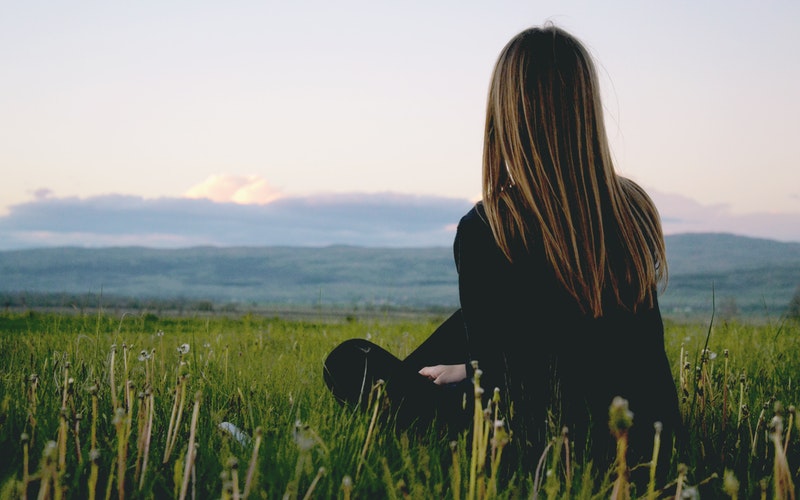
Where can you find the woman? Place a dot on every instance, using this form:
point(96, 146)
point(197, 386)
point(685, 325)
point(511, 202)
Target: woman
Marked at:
point(558, 269)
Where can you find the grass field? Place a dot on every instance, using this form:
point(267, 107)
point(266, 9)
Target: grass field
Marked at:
point(130, 406)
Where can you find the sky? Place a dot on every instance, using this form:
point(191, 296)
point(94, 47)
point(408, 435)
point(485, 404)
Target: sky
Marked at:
point(116, 118)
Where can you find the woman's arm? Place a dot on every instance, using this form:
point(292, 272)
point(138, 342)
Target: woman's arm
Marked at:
point(488, 294)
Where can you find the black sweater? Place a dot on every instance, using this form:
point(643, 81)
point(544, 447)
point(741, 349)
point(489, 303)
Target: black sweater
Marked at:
point(554, 365)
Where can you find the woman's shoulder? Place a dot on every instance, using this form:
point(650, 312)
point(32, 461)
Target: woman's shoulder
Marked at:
point(475, 218)
point(474, 236)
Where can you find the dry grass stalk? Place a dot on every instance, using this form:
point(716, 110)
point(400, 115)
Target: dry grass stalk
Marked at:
point(651, 486)
point(122, 449)
point(477, 433)
point(378, 389)
point(148, 434)
point(620, 420)
point(191, 453)
point(251, 468)
point(309, 493)
point(455, 474)
point(783, 484)
point(175, 417)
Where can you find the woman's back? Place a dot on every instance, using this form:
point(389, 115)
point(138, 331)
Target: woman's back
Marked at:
point(555, 364)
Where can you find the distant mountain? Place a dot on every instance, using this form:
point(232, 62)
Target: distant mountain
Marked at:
point(740, 274)
point(746, 275)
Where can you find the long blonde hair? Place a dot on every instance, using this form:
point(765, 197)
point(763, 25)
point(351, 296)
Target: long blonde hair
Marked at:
point(549, 181)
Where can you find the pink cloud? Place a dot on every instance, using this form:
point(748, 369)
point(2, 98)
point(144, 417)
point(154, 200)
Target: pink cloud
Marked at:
point(680, 214)
point(227, 188)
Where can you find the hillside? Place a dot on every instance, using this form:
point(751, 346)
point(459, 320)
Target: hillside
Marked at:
point(747, 275)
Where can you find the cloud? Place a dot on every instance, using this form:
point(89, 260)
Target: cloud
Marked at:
point(680, 214)
point(244, 190)
point(373, 220)
point(42, 193)
point(385, 219)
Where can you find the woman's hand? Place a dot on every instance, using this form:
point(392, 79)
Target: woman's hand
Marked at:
point(445, 374)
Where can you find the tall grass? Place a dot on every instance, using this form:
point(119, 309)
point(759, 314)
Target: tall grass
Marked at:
point(95, 406)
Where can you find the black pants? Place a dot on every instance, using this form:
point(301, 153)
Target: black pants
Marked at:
point(354, 366)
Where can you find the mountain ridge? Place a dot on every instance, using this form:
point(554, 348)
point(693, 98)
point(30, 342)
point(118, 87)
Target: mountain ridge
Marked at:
point(741, 274)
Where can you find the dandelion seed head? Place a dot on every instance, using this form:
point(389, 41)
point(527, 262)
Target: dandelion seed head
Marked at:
point(144, 355)
point(302, 437)
point(690, 493)
point(160, 333)
point(620, 417)
point(119, 414)
point(183, 349)
point(776, 426)
point(730, 484)
point(50, 450)
point(24, 437)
